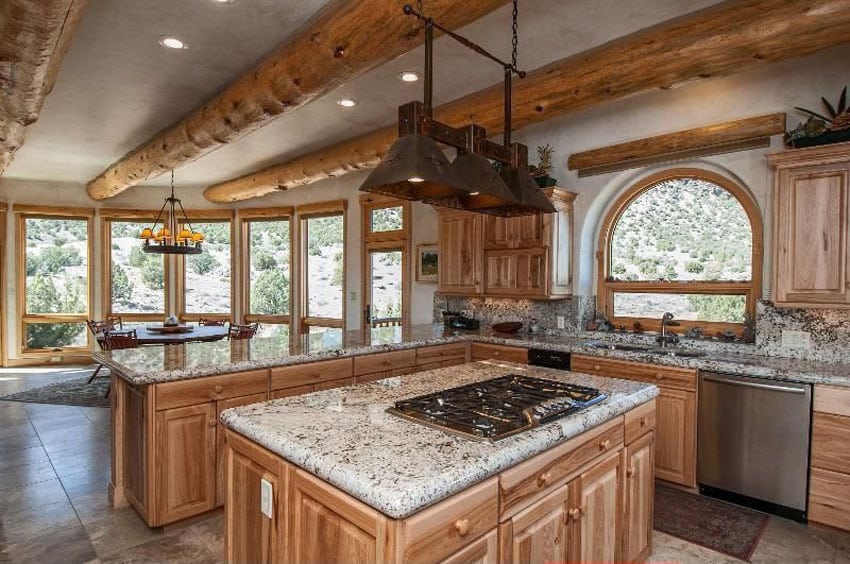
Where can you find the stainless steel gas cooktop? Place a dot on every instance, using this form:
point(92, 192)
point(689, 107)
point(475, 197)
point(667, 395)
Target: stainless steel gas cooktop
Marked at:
point(491, 410)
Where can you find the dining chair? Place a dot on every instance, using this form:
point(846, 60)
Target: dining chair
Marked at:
point(98, 330)
point(204, 322)
point(240, 332)
point(114, 340)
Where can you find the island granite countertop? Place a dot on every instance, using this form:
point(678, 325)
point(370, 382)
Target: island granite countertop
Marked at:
point(345, 437)
point(147, 365)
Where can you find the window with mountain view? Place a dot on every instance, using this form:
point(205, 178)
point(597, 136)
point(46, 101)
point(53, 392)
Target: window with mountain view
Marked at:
point(207, 276)
point(688, 243)
point(323, 241)
point(268, 245)
point(56, 281)
point(137, 279)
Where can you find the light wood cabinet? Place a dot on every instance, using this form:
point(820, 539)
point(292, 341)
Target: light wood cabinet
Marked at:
point(539, 533)
point(460, 240)
point(483, 551)
point(829, 481)
point(220, 451)
point(675, 418)
point(812, 187)
point(598, 512)
point(486, 351)
point(529, 256)
point(640, 493)
point(186, 464)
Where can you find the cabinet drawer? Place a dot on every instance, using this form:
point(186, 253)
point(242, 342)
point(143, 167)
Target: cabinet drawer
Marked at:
point(331, 384)
point(212, 388)
point(640, 421)
point(312, 373)
point(289, 392)
point(831, 442)
point(384, 362)
point(483, 351)
point(534, 478)
point(828, 495)
point(832, 399)
point(440, 353)
point(440, 531)
point(668, 376)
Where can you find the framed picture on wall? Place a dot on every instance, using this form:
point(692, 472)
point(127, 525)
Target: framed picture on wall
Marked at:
point(427, 262)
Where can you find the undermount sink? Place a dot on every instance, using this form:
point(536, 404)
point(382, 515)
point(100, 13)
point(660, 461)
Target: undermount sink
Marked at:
point(684, 353)
point(617, 346)
point(667, 351)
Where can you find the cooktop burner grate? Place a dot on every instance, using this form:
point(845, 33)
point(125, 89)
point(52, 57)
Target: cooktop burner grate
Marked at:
point(494, 409)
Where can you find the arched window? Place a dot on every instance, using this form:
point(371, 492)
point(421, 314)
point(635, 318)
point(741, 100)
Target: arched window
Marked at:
point(686, 241)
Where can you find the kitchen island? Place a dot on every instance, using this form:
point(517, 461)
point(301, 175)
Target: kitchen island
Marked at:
point(348, 481)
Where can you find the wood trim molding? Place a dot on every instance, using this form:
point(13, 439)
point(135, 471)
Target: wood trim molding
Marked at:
point(34, 37)
point(126, 214)
point(733, 37)
point(210, 215)
point(700, 141)
point(3, 249)
point(268, 213)
point(338, 51)
point(3, 206)
point(606, 288)
point(810, 156)
point(52, 211)
point(321, 208)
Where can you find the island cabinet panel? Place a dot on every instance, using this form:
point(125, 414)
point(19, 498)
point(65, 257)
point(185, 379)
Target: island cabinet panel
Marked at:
point(220, 474)
point(251, 535)
point(440, 531)
point(186, 465)
point(675, 415)
point(639, 495)
point(135, 437)
point(439, 356)
point(485, 351)
point(212, 388)
point(540, 532)
point(383, 365)
point(310, 374)
point(811, 218)
point(597, 510)
point(289, 392)
point(461, 256)
point(829, 482)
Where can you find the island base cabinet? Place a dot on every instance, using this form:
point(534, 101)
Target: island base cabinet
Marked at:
point(640, 493)
point(539, 533)
point(483, 551)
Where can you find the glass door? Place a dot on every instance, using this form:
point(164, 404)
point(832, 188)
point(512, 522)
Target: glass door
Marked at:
point(385, 297)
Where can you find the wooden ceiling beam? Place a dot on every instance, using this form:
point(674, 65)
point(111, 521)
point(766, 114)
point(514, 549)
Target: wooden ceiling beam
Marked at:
point(345, 39)
point(729, 37)
point(34, 37)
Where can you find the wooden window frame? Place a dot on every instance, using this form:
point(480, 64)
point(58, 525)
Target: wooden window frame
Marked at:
point(22, 214)
point(398, 239)
point(302, 214)
point(108, 217)
point(245, 217)
point(750, 289)
point(3, 358)
point(208, 216)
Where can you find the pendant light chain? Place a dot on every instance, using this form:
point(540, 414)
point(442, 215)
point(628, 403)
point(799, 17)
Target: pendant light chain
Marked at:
point(515, 38)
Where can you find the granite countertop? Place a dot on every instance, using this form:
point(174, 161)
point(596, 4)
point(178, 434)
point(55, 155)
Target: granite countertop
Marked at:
point(345, 437)
point(146, 365)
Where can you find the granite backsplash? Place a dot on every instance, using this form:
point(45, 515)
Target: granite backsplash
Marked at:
point(829, 329)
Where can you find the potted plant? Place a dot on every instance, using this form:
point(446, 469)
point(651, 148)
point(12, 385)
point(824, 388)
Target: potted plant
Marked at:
point(820, 129)
point(541, 170)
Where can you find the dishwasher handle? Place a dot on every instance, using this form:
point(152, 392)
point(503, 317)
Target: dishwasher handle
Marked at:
point(748, 384)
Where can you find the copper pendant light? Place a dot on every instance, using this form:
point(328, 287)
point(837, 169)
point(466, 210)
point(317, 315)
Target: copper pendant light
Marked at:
point(175, 236)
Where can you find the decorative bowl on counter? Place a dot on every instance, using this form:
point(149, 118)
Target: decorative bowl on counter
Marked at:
point(507, 327)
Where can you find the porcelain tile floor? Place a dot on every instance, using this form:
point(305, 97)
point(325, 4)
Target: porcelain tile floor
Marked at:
point(54, 469)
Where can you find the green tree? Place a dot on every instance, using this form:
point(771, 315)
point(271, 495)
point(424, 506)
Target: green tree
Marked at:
point(43, 297)
point(203, 263)
point(336, 279)
point(122, 290)
point(53, 260)
point(719, 308)
point(264, 261)
point(138, 257)
point(270, 293)
point(152, 274)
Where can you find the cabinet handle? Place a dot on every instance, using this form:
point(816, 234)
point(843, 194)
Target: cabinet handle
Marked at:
point(603, 445)
point(462, 527)
point(218, 389)
point(630, 471)
point(544, 479)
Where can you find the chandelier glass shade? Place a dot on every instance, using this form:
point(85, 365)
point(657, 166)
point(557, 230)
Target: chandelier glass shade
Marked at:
point(171, 232)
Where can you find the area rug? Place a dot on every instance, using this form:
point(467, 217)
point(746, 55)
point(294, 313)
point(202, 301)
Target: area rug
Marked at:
point(708, 522)
point(69, 392)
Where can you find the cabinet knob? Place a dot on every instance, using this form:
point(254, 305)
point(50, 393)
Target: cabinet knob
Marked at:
point(218, 389)
point(630, 471)
point(386, 363)
point(643, 421)
point(658, 376)
point(495, 353)
point(462, 527)
point(544, 479)
point(596, 367)
point(603, 445)
point(576, 513)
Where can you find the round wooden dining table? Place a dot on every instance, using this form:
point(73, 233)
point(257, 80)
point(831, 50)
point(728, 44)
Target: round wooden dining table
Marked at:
point(198, 333)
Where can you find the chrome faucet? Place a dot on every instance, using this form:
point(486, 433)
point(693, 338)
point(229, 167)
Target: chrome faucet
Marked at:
point(664, 338)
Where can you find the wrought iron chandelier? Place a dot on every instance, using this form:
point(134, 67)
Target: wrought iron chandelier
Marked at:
point(415, 167)
point(175, 236)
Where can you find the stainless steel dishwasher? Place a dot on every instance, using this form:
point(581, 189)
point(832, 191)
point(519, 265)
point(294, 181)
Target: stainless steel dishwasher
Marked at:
point(753, 442)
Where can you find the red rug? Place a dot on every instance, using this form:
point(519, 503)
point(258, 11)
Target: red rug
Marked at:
point(708, 522)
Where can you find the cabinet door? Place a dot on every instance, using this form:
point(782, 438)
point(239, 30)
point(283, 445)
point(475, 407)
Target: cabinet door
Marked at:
point(811, 220)
point(675, 449)
point(640, 489)
point(461, 255)
point(500, 272)
point(599, 504)
point(185, 441)
point(531, 230)
point(482, 551)
point(540, 533)
point(531, 272)
point(499, 232)
point(219, 439)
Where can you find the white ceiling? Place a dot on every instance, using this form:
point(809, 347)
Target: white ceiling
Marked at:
point(117, 86)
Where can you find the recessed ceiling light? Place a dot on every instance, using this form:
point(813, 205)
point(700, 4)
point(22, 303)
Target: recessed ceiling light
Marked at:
point(172, 42)
point(408, 76)
point(222, 1)
point(346, 102)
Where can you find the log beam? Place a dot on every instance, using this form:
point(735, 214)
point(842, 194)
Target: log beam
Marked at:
point(699, 141)
point(34, 37)
point(729, 37)
point(345, 39)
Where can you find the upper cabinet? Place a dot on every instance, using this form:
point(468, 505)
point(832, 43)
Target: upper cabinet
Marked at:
point(528, 256)
point(811, 226)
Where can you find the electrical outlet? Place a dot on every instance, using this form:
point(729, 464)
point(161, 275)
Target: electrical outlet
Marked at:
point(266, 498)
point(796, 339)
point(562, 322)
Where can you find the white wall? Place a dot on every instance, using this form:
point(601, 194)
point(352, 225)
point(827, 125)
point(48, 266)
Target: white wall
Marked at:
point(776, 87)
